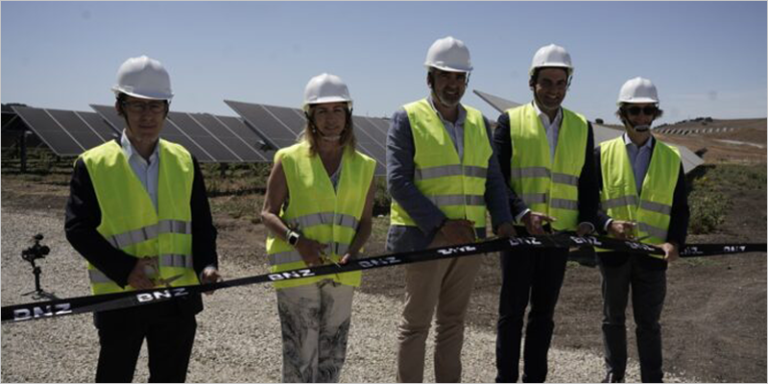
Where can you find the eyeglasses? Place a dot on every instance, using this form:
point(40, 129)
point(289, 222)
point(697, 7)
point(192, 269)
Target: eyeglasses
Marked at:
point(140, 107)
point(648, 111)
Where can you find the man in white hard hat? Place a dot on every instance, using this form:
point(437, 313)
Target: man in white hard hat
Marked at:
point(139, 214)
point(442, 174)
point(643, 197)
point(545, 152)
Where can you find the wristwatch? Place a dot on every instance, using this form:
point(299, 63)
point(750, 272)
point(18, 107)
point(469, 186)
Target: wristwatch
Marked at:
point(293, 238)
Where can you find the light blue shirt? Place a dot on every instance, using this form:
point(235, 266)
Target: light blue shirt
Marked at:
point(456, 131)
point(146, 171)
point(552, 128)
point(640, 158)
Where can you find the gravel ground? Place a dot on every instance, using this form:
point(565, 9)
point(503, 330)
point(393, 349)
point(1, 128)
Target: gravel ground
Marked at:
point(238, 333)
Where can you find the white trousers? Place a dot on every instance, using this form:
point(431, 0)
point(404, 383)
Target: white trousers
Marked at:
point(315, 322)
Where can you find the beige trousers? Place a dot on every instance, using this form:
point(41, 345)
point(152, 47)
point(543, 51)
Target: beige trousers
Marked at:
point(447, 285)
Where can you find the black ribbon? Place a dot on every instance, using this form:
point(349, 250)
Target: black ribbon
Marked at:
point(85, 304)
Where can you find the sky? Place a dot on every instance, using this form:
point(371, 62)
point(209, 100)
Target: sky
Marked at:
point(706, 58)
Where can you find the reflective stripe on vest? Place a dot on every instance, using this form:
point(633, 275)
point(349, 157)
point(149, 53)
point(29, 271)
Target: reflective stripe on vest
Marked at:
point(455, 186)
point(320, 212)
point(313, 219)
point(546, 186)
point(445, 200)
point(150, 232)
point(543, 172)
point(619, 198)
point(129, 220)
point(450, 170)
point(295, 256)
point(174, 261)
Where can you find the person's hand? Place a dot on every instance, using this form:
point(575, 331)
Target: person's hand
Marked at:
point(138, 278)
point(623, 230)
point(671, 253)
point(534, 222)
point(310, 250)
point(348, 257)
point(506, 230)
point(584, 229)
point(210, 275)
point(454, 232)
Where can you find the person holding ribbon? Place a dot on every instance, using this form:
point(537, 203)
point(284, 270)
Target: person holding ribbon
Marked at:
point(138, 212)
point(318, 208)
point(443, 176)
point(642, 197)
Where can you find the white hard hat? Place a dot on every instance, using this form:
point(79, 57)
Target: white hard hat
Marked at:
point(551, 56)
point(638, 90)
point(144, 78)
point(326, 88)
point(449, 54)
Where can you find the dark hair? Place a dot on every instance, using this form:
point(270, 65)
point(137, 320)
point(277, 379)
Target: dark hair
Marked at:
point(535, 76)
point(310, 135)
point(431, 77)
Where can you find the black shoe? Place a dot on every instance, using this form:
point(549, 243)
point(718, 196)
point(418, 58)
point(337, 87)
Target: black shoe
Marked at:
point(613, 378)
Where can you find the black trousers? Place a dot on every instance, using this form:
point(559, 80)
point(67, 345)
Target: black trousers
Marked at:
point(648, 288)
point(535, 277)
point(169, 333)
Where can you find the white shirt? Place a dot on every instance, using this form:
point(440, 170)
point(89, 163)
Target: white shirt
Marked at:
point(455, 131)
point(146, 171)
point(640, 159)
point(552, 128)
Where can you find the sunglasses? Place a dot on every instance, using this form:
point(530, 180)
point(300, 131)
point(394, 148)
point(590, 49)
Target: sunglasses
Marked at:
point(648, 111)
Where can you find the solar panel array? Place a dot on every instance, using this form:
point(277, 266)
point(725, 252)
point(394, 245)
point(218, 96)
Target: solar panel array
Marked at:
point(67, 133)
point(261, 130)
point(280, 127)
point(209, 138)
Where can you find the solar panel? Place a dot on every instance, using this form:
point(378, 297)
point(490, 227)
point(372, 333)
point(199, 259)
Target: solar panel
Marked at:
point(281, 126)
point(202, 137)
point(65, 132)
point(234, 134)
point(170, 132)
point(381, 124)
point(496, 102)
point(272, 130)
point(79, 129)
point(367, 126)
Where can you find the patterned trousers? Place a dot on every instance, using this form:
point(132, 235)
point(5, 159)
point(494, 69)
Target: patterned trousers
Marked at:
point(315, 322)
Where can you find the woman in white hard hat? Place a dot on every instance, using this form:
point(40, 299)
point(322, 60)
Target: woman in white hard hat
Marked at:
point(318, 207)
point(642, 190)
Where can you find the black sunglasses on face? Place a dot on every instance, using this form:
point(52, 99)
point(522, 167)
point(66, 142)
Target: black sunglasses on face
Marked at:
point(648, 111)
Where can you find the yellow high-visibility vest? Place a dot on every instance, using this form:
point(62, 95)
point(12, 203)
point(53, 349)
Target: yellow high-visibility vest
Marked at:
point(552, 189)
point(318, 211)
point(650, 210)
point(129, 220)
point(456, 186)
